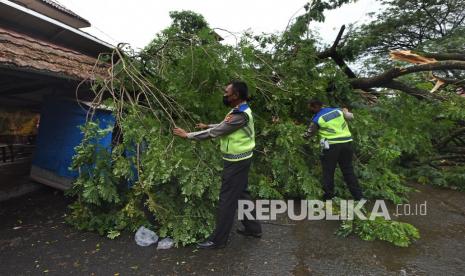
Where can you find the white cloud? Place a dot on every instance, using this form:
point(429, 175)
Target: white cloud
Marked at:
point(137, 21)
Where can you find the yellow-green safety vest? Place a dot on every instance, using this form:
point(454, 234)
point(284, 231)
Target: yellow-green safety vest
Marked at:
point(332, 125)
point(239, 144)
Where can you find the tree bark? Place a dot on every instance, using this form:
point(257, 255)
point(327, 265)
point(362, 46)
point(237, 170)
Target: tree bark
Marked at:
point(444, 56)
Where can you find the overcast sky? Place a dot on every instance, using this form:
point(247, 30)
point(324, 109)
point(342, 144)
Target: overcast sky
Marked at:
point(137, 21)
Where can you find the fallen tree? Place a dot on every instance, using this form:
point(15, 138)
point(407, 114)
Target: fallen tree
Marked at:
point(177, 81)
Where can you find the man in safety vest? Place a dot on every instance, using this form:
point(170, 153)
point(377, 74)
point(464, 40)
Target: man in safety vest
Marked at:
point(336, 143)
point(237, 141)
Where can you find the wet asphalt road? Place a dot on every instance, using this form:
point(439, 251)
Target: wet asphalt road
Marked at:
point(35, 240)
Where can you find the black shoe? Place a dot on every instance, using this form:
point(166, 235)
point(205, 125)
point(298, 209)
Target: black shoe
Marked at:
point(245, 232)
point(210, 245)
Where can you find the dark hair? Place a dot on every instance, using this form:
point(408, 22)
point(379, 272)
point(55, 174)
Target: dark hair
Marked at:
point(315, 102)
point(241, 89)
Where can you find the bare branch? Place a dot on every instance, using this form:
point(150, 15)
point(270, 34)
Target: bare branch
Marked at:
point(414, 91)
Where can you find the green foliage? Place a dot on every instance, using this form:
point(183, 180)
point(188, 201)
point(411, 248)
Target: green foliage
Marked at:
point(96, 183)
point(188, 22)
point(102, 204)
point(398, 233)
point(376, 228)
point(452, 177)
point(423, 25)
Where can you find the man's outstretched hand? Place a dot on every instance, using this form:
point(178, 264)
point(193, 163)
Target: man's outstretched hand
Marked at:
point(201, 126)
point(180, 132)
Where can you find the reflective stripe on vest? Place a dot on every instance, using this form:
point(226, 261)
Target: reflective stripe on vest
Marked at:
point(332, 126)
point(239, 144)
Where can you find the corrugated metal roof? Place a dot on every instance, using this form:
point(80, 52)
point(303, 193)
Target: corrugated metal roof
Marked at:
point(55, 10)
point(62, 8)
point(18, 17)
point(24, 52)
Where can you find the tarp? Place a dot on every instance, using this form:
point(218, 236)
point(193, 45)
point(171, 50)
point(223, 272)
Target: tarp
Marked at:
point(59, 134)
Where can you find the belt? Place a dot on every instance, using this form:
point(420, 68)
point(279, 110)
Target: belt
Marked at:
point(340, 139)
point(237, 156)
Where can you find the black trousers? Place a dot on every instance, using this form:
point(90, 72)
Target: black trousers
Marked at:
point(341, 154)
point(234, 184)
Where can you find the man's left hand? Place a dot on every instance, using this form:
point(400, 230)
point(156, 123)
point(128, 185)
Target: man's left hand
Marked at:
point(180, 132)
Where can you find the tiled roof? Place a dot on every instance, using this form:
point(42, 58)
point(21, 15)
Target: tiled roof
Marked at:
point(24, 52)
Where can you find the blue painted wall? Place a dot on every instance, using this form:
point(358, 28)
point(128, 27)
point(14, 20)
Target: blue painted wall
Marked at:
point(59, 134)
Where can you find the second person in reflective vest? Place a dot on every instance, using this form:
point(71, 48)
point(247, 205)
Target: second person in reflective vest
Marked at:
point(336, 143)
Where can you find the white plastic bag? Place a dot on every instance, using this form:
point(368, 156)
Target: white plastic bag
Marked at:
point(324, 144)
point(145, 237)
point(165, 243)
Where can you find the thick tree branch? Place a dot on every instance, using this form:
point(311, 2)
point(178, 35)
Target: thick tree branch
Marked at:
point(341, 63)
point(414, 91)
point(444, 56)
point(332, 50)
point(440, 65)
point(366, 84)
point(386, 79)
point(334, 55)
point(446, 61)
